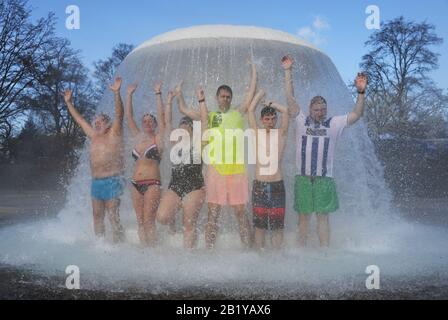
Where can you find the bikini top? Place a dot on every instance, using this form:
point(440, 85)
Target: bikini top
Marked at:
point(152, 153)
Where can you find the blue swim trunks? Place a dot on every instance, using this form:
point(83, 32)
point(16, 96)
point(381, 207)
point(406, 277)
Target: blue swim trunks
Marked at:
point(106, 189)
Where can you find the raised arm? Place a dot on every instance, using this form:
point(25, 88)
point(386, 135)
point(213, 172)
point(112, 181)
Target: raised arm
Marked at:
point(193, 114)
point(117, 125)
point(361, 85)
point(294, 108)
point(253, 106)
point(85, 125)
point(160, 111)
point(169, 113)
point(203, 109)
point(252, 88)
point(285, 116)
point(130, 112)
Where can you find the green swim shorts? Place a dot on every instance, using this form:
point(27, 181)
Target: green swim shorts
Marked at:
point(315, 195)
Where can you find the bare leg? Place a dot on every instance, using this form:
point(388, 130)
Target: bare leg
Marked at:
point(277, 239)
point(150, 205)
point(323, 229)
point(98, 217)
point(137, 201)
point(192, 204)
point(259, 238)
point(211, 229)
point(113, 210)
point(304, 221)
point(168, 208)
point(243, 223)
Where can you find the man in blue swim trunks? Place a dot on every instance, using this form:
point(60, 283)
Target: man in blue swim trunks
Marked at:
point(106, 162)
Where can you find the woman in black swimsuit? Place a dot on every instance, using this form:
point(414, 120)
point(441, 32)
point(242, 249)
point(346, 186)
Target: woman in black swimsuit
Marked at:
point(186, 188)
point(147, 154)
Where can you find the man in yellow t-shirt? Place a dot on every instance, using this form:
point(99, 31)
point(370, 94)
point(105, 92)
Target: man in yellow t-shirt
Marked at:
point(226, 182)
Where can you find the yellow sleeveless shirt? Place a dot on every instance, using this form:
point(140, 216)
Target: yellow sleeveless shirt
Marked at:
point(219, 121)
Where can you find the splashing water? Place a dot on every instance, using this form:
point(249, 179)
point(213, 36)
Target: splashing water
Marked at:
point(365, 231)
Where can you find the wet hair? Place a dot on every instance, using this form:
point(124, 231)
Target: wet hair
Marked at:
point(268, 111)
point(153, 117)
point(225, 88)
point(318, 100)
point(186, 120)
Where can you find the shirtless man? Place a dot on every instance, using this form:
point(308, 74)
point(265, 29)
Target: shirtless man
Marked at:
point(268, 192)
point(106, 162)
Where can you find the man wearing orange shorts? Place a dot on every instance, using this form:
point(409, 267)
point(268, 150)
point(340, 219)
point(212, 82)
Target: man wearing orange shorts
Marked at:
point(226, 183)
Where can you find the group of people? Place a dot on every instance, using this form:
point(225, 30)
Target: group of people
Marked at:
point(225, 183)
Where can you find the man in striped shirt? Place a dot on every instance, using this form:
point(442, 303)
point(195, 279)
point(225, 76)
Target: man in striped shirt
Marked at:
point(316, 138)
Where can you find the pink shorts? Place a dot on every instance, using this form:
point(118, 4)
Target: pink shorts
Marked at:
point(223, 190)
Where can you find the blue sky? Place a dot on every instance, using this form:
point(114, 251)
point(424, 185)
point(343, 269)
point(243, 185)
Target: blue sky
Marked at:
point(337, 28)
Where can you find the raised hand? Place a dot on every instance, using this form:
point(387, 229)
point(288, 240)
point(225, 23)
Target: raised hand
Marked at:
point(132, 88)
point(287, 62)
point(266, 103)
point(68, 96)
point(200, 94)
point(178, 90)
point(116, 86)
point(170, 97)
point(158, 87)
point(361, 82)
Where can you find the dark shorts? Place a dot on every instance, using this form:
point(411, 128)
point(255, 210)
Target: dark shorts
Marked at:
point(268, 201)
point(106, 189)
point(185, 181)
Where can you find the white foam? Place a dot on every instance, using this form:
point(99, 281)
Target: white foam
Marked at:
point(340, 268)
point(225, 31)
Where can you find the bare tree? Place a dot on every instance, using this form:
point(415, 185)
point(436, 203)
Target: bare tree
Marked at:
point(21, 44)
point(400, 90)
point(61, 69)
point(105, 69)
